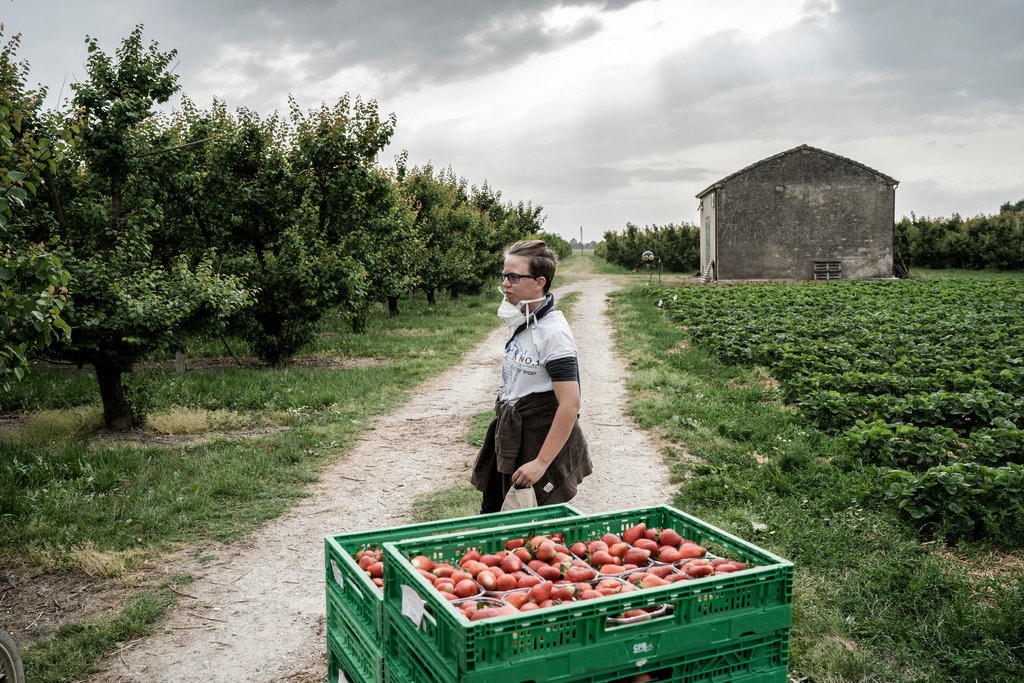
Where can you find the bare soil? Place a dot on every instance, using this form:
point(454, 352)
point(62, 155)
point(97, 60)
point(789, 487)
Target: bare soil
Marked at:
point(256, 609)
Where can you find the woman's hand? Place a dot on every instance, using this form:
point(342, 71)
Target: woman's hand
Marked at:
point(529, 474)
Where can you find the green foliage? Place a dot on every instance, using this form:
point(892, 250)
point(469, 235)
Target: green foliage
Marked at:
point(127, 296)
point(982, 242)
point(33, 281)
point(871, 601)
point(558, 245)
point(676, 247)
point(917, 375)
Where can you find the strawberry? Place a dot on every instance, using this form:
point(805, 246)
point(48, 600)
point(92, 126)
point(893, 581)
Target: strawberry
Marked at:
point(514, 543)
point(579, 549)
point(491, 559)
point(505, 582)
point(647, 544)
point(529, 607)
point(633, 613)
point(487, 579)
point(690, 549)
point(577, 573)
point(563, 592)
point(471, 554)
point(650, 581)
point(669, 554)
point(618, 549)
point(634, 533)
point(517, 598)
point(607, 586)
point(662, 570)
point(698, 568)
point(652, 533)
point(670, 537)
point(541, 592)
point(545, 552)
point(610, 538)
point(376, 570)
point(549, 573)
point(602, 557)
point(466, 588)
point(511, 563)
point(527, 581)
point(594, 546)
point(637, 556)
point(590, 594)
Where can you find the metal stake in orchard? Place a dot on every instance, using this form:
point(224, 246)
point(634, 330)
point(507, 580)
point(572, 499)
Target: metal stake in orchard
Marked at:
point(648, 257)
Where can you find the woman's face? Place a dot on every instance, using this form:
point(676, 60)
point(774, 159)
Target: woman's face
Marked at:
point(527, 288)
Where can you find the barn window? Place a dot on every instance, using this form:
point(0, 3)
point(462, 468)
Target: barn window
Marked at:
point(828, 270)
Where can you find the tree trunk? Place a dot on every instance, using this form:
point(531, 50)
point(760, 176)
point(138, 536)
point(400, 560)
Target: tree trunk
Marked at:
point(117, 414)
point(392, 306)
point(431, 299)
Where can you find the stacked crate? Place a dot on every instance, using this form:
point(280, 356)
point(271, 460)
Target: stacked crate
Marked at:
point(726, 627)
point(355, 606)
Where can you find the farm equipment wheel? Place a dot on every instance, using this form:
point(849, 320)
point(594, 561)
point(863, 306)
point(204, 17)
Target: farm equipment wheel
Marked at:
point(11, 668)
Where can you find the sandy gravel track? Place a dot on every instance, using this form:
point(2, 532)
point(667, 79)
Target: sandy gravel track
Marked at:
point(257, 611)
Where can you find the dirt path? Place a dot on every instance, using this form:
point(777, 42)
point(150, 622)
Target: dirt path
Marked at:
point(257, 612)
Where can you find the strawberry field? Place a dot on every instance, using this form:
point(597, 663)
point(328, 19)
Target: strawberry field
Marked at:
point(924, 380)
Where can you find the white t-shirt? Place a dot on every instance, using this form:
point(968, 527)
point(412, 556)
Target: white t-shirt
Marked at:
point(522, 367)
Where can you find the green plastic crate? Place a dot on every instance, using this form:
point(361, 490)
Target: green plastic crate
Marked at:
point(356, 593)
point(751, 660)
point(349, 650)
point(576, 639)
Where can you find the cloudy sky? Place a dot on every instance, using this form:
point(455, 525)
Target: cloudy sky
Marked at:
point(606, 112)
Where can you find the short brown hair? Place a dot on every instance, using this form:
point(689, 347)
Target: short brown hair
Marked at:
point(542, 259)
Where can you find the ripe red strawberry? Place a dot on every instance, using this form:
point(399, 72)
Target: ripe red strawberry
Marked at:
point(511, 563)
point(691, 549)
point(422, 562)
point(611, 538)
point(487, 579)
point(505, 582)
point(541, 592)
point(548, 572)
point(517, 598)
point(577, 573)
point(579, 549)
point(669, 554)
point(647, 544)
point(590, 594)
point(670, 537)
point(637, 556)
point(650, 581)
point(634, 533)
point(602, 557)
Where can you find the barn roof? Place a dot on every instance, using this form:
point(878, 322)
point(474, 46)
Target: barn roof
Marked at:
point(888, 179)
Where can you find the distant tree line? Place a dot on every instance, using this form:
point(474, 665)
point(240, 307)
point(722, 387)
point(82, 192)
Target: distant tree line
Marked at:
point(979, 243)
point(124, 230)
point(676, 247)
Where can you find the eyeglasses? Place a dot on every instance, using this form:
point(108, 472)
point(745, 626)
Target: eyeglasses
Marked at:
point(514, 278)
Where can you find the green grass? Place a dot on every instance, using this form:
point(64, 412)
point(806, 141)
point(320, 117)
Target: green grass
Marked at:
point(872, 602)
point(73, 501)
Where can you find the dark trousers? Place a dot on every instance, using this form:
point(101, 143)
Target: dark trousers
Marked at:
point(494, 496)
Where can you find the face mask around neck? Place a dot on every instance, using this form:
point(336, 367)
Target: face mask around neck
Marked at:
point(514, 315)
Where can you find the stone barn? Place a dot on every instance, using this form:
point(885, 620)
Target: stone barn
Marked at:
point(803, 214)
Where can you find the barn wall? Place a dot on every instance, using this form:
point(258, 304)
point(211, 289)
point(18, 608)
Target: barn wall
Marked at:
point(777, 218)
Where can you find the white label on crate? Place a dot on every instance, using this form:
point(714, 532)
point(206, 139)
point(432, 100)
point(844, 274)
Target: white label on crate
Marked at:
point(412, 604)
point(337, 574)
point(640, 648)
point(341, 677)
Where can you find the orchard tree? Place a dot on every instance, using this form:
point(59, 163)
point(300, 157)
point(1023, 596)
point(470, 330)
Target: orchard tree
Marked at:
point(444, 223)
point(246, 198)
point(358, 207)
point(33, 282)
point(126, 299)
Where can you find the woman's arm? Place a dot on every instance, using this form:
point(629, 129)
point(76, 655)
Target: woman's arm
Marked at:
point(568, 396)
